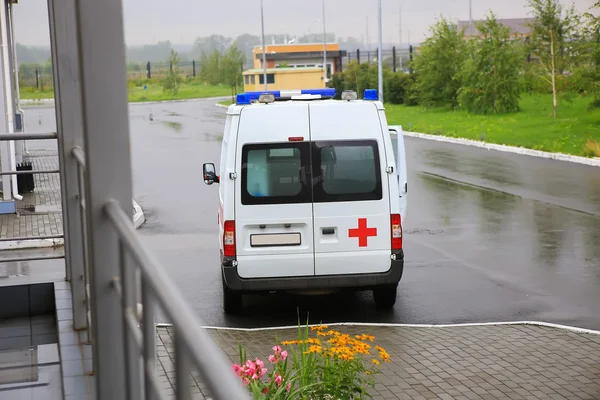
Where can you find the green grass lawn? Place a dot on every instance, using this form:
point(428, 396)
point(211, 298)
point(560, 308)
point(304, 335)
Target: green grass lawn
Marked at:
point(153, 92)
point(574, 129)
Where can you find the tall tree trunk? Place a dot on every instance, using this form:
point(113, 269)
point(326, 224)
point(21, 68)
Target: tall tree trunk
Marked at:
point(553, 72)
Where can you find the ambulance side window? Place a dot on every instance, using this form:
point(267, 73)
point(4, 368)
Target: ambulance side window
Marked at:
point(275, 173)
point(346, 171)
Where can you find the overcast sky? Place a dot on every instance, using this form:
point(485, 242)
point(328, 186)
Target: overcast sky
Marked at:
point(182, 21)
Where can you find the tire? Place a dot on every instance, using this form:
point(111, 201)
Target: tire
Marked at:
point(385, 296)
point(232, 300)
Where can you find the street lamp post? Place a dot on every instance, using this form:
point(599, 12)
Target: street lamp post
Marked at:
point(324, 48)
point(264, 50)
point(379, 55)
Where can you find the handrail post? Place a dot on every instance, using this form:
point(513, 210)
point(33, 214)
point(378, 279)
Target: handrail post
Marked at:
point(102, 72)
point(64, 44)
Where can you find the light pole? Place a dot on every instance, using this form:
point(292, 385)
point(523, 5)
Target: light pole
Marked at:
point(324, 49)
point(264, 50)
point(379, 55)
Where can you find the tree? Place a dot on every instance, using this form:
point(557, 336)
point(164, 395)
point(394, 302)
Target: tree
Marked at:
point(172, 81)
point(591, 70)
point(554, 31)
point(438, 65)
point(490, 74)
point(210, 67)
point(231, 67)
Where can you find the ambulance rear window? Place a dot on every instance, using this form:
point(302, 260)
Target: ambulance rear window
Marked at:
point(275, 173)
point(349, 171)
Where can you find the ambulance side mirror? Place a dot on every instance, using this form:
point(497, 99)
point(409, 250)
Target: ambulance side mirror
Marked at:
point(209, 173)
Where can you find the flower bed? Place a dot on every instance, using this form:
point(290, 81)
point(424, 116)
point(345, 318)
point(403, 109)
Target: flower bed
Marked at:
point(321, 364)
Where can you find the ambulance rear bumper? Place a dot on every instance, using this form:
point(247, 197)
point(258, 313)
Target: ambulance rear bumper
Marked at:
point(354, 281)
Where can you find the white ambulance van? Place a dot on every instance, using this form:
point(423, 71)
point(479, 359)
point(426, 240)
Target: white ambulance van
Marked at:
point(312, 195)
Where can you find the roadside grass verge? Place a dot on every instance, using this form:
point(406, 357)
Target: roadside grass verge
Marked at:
point(576, 130)
point(191, 89)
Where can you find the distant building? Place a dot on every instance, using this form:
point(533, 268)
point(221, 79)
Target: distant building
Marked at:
point(293, 66)
point(519, 26)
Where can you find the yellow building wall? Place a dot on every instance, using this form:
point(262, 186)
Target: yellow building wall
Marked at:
point(299, 78)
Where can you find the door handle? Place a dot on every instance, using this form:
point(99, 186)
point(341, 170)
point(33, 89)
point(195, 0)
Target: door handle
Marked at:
point(328, 231)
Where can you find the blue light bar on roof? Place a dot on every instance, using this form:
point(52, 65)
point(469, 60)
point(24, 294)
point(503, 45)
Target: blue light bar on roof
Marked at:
point(242, 99)
point(329, 92)
point(288, 94)
point(253, 96)
point(371, 94)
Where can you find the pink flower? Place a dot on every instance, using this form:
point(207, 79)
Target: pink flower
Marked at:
point(263, 372)
point(259, 364)
point(278, 379)
point(266, 390)
point(284, 355)
point(254, 377)
point(250, 364)
point(288, 387)
point(236, 368)
point(246, 381)
point(273, 359)
point(277, 350)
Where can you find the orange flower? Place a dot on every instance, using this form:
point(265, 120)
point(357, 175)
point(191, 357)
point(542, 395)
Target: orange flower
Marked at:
point(375, 361)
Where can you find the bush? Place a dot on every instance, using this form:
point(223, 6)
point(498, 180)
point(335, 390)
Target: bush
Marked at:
point(331, 365)
point(490, 73)
point(402, 89)
point(438, 65)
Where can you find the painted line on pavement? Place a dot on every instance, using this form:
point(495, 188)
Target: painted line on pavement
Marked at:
point(535, 323)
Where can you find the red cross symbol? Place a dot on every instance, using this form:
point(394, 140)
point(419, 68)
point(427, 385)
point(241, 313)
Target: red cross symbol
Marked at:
point(362, 232)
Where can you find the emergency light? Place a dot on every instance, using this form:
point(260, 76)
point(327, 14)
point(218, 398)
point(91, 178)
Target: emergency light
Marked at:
point(242, 99)
point(290, 94)
point(371, 94)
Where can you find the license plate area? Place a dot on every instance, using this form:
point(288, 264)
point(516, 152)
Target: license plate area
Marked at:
point(276, 239)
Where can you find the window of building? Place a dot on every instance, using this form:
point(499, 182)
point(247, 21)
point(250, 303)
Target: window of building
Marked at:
point(252, 79)
point(270, 79)
point(247, 79)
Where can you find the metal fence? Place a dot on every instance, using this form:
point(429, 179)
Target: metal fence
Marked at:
point(110, 270)
point(40, 76)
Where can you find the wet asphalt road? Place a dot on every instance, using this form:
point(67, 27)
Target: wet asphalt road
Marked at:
point(489, 236)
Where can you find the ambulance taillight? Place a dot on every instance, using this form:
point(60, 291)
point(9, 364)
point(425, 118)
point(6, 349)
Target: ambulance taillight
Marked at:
point(396, 232)
point(229, 239)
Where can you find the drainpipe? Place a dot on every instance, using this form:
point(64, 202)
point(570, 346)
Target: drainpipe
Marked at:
point(9, 99)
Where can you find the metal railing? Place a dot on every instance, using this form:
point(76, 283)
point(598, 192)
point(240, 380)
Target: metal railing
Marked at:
point(110, 270)
point(4, 137)
point(139, 268)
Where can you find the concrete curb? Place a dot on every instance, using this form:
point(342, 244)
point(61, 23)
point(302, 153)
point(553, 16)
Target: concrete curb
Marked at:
point(31, 244)
point(138, 215)
point(138, 220)
point(221, 105)
point(534, 323)
point(595, 162)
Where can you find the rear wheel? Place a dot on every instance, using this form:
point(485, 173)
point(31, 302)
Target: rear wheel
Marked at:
point(232, 300)
point(385, 296)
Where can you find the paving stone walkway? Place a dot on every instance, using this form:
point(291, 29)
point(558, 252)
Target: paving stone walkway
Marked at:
point(470, 362)
point(39, 213)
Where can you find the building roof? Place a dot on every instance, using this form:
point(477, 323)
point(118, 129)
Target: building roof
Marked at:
point(517, 25)
point(289, 70)
point(301, 55)
point(296, 48)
